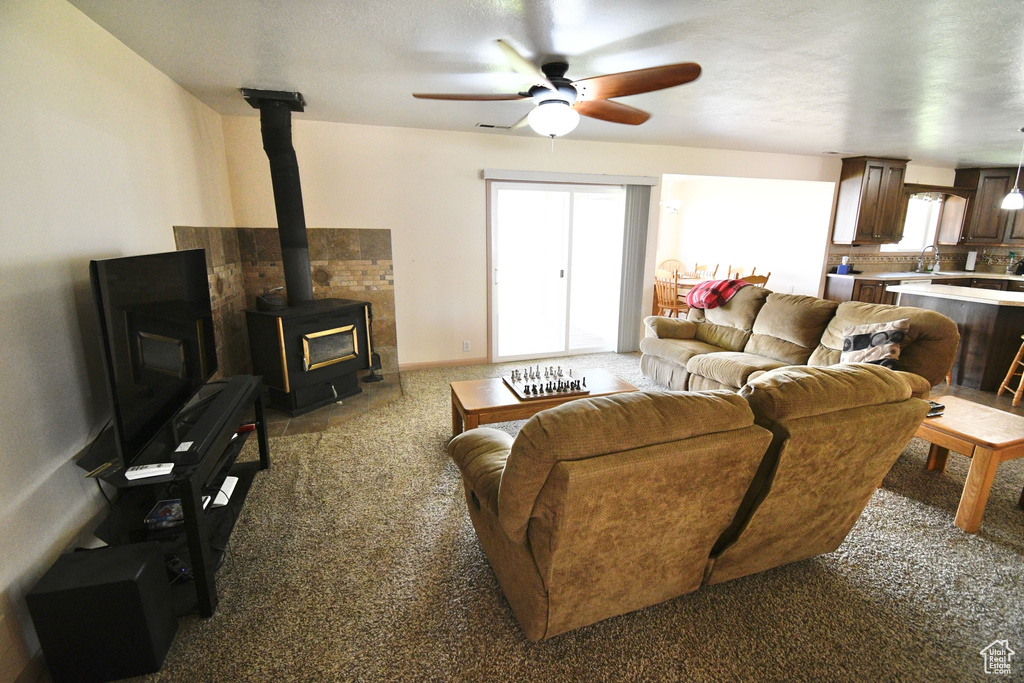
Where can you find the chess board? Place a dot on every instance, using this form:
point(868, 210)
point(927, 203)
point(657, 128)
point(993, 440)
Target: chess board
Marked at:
point(519, 389)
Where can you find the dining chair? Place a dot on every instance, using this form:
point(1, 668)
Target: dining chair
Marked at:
point(757, 280)
point(670, 264)
point(667, 296)
point(706, 271)
point(739, 272)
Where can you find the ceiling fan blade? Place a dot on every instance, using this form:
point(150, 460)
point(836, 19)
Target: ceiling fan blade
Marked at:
point(636, 82)
point(490, 97)
point(521, 122)
point(616, 112)
point(524, 66)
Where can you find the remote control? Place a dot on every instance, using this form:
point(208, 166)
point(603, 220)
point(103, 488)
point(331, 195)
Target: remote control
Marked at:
point(156, 469)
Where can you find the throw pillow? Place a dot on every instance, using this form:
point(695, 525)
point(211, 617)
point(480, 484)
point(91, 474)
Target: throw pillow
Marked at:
point(877, 343)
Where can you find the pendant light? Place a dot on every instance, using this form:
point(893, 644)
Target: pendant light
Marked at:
point(1015, 200)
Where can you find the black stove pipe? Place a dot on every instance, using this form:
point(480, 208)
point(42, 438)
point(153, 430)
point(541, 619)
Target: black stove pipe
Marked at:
point(276, 126)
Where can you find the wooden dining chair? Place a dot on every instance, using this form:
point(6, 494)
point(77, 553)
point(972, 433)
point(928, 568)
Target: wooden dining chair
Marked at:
point(757, 280)
point(706, 271)
point(670, 264)
point(666, 293)
point(739, 272)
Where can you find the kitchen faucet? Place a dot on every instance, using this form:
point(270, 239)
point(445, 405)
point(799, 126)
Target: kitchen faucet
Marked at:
point(920, 260)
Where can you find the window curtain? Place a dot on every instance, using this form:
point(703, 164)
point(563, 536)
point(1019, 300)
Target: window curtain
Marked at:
point(634, 250)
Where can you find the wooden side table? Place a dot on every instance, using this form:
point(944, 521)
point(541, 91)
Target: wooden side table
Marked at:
point(985, 435)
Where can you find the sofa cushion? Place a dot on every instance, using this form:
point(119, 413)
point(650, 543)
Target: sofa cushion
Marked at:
point(669, 328)
point(876, 343)
point(837, 431)
point(789, 327)
point(588, 427)
point(729, 325)
point(928, 349)
point(799, 391)
point(675, 350)
point(730, 368)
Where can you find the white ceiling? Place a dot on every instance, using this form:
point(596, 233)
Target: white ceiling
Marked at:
point(940, 82)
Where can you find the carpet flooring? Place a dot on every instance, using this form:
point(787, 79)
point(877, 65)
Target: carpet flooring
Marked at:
point(354, 560)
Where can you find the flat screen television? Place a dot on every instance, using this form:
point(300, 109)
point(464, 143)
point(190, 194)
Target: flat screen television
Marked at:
point(156, 333)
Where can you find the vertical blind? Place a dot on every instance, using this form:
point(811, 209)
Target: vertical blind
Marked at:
point(634, 249)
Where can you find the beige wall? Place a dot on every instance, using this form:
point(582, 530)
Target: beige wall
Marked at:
point(102, 155)
point(425, 186)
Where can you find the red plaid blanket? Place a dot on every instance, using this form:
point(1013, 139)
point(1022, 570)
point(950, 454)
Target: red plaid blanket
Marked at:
point(712, 293)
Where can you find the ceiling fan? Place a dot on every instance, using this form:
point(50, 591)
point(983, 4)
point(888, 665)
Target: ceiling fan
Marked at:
point(560, 101)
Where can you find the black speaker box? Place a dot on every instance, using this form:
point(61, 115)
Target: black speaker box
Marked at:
point(104, 614)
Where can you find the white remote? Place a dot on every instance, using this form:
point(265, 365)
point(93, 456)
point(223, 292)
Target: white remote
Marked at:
point(157, 469)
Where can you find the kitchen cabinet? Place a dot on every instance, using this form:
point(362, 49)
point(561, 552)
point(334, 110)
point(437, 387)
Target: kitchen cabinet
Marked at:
point(859, 289)
point(870, 205)
point(984, 283)
point(987, 223)
point(952, 218)
point(872, 292)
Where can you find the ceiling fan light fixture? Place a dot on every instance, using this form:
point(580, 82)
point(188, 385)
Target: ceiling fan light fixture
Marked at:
point(1014, 200)
point(552, 118)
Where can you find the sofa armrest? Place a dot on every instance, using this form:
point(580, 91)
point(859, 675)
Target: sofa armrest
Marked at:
point(669, 328)
point(919, 386)
point(480, 455)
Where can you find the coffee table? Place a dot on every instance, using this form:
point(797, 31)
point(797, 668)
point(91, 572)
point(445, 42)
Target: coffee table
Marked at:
point(985, 435)
point(484, 401)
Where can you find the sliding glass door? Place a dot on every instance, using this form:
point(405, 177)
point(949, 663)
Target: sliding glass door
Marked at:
point(556, 266)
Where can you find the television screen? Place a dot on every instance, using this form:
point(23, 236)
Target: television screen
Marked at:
point(156, 330)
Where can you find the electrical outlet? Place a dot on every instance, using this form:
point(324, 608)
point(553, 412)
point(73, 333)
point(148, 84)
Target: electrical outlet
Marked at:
point(465, 345)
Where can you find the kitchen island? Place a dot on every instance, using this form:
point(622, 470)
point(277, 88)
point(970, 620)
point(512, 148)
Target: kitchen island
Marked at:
point(875, 287)
point(991, 323)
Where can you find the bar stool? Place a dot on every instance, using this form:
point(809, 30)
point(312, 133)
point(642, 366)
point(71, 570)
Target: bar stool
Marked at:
point(1005, 386)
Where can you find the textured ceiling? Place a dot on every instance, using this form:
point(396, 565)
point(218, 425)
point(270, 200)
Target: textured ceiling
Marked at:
point(936, 81)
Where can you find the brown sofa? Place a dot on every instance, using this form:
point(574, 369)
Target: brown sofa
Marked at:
point(759, 330)
point(602, 506)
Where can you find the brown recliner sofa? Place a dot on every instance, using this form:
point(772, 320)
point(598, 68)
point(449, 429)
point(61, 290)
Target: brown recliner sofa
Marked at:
point(759, 330)
point(603, 506)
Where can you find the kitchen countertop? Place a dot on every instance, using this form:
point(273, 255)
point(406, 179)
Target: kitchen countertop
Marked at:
point(911, 275)
point(971, 294)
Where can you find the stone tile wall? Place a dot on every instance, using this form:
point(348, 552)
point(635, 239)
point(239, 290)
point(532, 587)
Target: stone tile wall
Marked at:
point(868, 258)
point(245, 262)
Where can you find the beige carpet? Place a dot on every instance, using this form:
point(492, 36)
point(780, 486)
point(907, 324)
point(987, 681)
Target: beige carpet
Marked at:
point(354, 559)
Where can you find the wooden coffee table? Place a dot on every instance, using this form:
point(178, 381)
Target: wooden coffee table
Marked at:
point(985, 435)
point(484, 401)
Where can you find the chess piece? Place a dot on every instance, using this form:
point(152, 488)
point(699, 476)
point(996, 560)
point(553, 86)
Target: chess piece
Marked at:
point(584, 382)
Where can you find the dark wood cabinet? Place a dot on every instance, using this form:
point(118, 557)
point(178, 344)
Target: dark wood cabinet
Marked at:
point(987, 222)
point(1014, 286)
point(873, 292)
point(859, 289)
point(985, 283)
point(952, 219)
point(871, 203)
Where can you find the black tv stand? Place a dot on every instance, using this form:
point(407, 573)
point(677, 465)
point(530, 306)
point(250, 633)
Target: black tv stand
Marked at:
point(200, 469)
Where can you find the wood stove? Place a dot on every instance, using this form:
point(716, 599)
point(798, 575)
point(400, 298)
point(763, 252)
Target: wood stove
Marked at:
point(309, 351)
point(309, 354)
